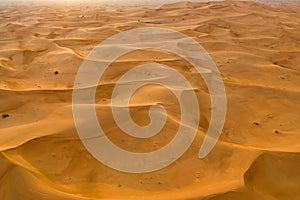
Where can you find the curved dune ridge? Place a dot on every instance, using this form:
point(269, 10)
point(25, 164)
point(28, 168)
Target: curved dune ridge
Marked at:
point(256, 48)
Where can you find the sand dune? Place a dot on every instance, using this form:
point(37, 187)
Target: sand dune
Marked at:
point(256, 48)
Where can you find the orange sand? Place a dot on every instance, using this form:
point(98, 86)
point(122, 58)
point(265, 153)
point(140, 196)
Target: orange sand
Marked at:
point(256, 48)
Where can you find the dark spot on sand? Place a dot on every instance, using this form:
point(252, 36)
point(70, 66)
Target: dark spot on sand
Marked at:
point(255, 123)
point(4, 115)
point(269, 116)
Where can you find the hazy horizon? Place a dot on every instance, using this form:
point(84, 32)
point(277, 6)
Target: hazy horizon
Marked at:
point(132, 2)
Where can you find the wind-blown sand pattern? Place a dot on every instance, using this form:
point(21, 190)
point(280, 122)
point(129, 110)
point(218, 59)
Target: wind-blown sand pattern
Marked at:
point(256, 48)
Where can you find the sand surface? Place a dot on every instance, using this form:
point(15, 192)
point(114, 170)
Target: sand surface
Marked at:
point(256, 48)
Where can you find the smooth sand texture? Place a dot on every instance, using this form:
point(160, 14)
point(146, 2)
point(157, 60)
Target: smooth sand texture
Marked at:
point(256, 48)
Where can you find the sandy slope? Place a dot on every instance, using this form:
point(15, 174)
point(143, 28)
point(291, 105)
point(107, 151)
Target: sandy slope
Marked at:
point(256, 48)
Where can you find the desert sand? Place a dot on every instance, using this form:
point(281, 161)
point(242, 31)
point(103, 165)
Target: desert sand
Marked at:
point(256, 48)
